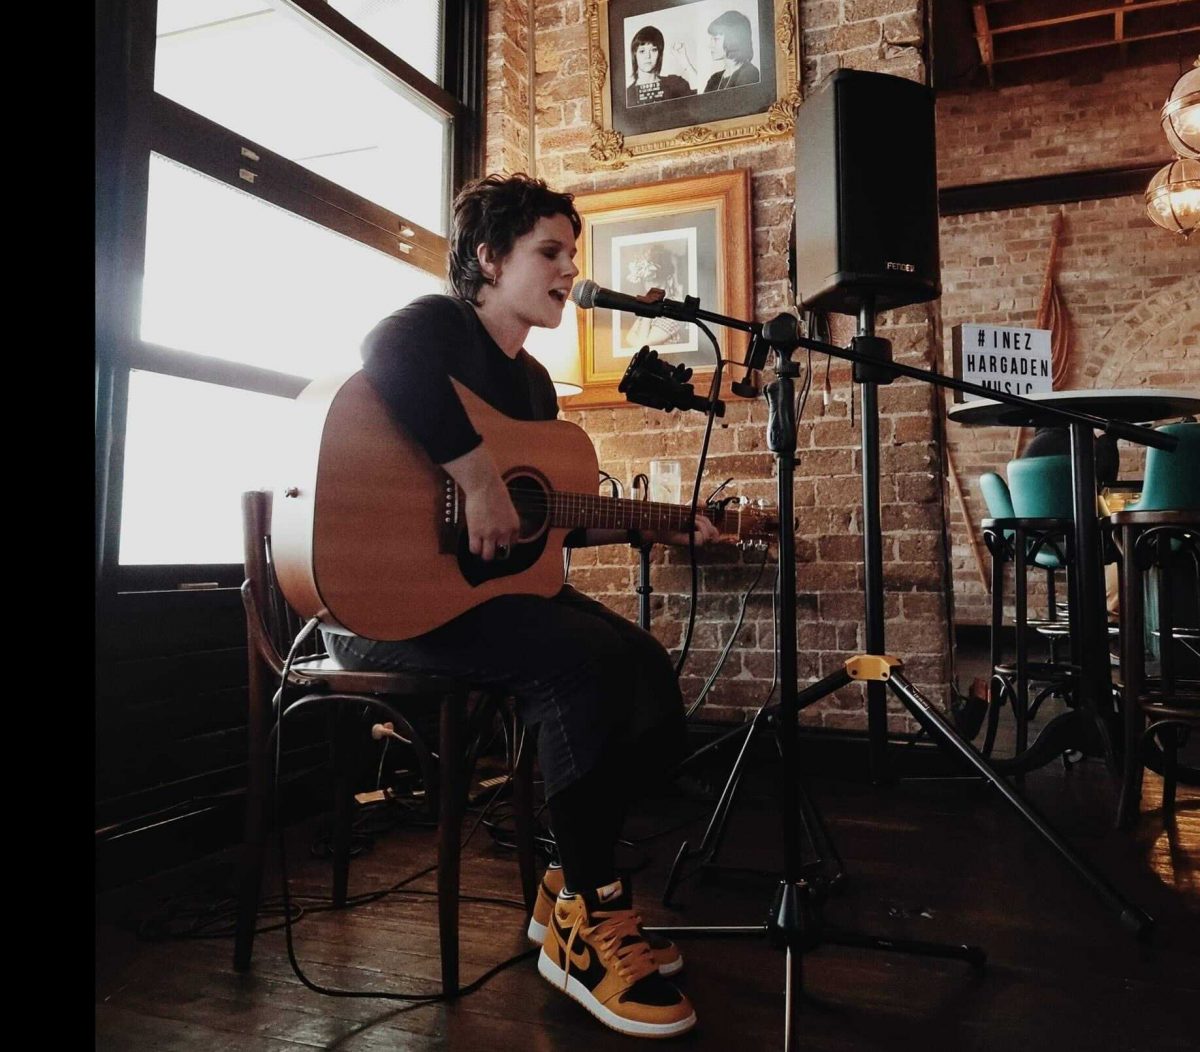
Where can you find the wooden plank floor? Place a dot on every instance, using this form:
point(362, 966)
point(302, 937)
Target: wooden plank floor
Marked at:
point(942, 860)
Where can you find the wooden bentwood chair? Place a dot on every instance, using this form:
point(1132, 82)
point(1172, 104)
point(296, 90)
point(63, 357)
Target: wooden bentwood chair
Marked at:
point(271, 626)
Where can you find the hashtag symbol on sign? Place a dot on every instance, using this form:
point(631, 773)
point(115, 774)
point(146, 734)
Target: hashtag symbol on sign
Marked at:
point(982, 336)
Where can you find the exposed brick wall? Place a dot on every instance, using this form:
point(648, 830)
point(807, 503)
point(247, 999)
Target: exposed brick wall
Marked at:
point(884, 35)
point(1088, 120)
point(507, 131)
point(1131, 290)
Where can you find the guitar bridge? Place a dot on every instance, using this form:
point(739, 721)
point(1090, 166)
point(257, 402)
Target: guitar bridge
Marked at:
point(450, 514)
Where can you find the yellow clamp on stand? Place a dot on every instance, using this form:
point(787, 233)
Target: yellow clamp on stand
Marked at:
point(871, 667)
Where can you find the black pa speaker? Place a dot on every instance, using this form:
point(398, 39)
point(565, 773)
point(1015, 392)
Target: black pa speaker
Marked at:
point(866, 194)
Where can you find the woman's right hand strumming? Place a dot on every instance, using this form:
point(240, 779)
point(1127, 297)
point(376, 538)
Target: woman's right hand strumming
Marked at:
point(492, 522)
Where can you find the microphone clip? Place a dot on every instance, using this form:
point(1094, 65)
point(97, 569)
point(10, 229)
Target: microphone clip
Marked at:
point(650, 381)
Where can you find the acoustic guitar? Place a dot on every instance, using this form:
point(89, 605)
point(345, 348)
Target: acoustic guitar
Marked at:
point(369, 534)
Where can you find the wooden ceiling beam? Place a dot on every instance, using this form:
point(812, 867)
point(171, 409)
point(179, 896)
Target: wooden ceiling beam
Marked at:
point(1119, 10)
point(1084, 47)
point(983, 37)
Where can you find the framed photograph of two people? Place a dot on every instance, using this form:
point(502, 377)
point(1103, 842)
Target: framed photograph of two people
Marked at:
point(677, 74)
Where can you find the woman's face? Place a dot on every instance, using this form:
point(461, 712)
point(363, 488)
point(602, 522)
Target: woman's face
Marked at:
point(647, 57)
point(716, 46)
point(535, 278)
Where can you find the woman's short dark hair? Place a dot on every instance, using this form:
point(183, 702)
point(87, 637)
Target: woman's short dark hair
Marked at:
point(735, 28)
point(495, 211)
point(646, 35)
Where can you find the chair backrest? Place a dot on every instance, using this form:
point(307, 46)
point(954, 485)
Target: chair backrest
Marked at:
point(1041, 487)
point(996, 496)
point(1172, 481)
point(271, 623)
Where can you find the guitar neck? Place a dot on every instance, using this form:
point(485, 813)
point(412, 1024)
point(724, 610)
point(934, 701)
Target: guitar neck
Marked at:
point(591, 511)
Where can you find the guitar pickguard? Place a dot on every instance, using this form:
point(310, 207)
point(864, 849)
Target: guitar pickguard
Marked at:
point(520, 558)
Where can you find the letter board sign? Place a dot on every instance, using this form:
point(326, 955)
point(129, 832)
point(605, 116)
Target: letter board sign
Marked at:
point(1003, 357)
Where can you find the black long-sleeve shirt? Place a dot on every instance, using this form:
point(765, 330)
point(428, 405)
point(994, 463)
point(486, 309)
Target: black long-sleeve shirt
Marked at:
point(410, 357)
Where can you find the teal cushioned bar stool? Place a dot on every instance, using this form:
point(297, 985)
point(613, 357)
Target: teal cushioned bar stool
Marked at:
point(1158, 538)
point(1172, 481)
point(1012, 535)
point(1041, 489)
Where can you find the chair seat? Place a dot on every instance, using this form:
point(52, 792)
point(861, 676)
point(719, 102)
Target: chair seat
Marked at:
point(1179, 706)
point(325, 672)
point(1048, 558)
point(1040, 670)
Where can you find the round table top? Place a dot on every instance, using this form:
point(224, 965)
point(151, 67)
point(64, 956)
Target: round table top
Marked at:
point(1135, 405)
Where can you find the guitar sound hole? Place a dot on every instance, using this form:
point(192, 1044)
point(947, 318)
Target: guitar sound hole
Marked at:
point(530, 498)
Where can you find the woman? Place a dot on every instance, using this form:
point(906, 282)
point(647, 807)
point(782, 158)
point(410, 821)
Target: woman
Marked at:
point(731, 45)
point(646, 59)
point(601, 693)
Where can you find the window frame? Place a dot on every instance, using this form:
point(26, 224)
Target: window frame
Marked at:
point(133, 122)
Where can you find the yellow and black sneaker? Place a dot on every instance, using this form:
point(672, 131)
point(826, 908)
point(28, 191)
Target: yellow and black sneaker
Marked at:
point(666, 953)
point(595, 953)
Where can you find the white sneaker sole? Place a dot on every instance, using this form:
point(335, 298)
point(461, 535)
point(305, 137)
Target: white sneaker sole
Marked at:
point(574, 989)
point(535, 931)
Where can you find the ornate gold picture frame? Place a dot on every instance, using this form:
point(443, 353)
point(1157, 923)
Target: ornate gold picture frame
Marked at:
point(689, 237)
point(669, 75)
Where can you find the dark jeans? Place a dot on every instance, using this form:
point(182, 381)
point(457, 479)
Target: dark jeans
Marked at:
point(587, 678)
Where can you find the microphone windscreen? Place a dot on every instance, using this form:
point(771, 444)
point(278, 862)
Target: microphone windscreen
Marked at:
point(584, 293)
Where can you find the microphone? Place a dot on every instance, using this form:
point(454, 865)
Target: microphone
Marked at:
point(587, 294)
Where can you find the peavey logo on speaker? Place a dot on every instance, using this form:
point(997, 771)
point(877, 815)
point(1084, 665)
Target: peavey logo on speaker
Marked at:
point(908, 268)
point(1002, 357)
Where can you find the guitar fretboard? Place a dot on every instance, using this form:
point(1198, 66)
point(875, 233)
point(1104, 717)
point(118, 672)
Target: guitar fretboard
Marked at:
point(572, 510)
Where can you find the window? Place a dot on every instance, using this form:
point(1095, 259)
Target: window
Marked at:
point(270, 213)
point(293, 87)
point(233, 277)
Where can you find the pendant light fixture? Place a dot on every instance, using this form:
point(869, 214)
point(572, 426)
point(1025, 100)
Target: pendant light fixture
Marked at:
point(1173, 196)
point(1181, 114)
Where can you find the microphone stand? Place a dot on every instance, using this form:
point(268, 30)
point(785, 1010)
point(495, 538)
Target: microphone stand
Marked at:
point(795, 922)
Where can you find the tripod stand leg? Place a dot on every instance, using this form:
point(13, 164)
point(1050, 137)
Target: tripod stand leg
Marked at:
point(716, 825)
point(794, 979)
point(827, 860)
point(973, 955)
point(1141, 924)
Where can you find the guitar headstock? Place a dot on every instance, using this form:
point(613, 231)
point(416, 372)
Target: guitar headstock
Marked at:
point(751, 524)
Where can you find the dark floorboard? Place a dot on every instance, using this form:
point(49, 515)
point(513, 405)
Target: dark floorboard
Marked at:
point(940, 860)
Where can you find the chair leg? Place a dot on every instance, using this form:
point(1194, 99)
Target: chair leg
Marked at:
point(343, 790)
point(1169, 736)
point(1020, 701)
point(450, 817)
point(258, 776)
point(1132, 668)
point(523, 813)
point(995, 689)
